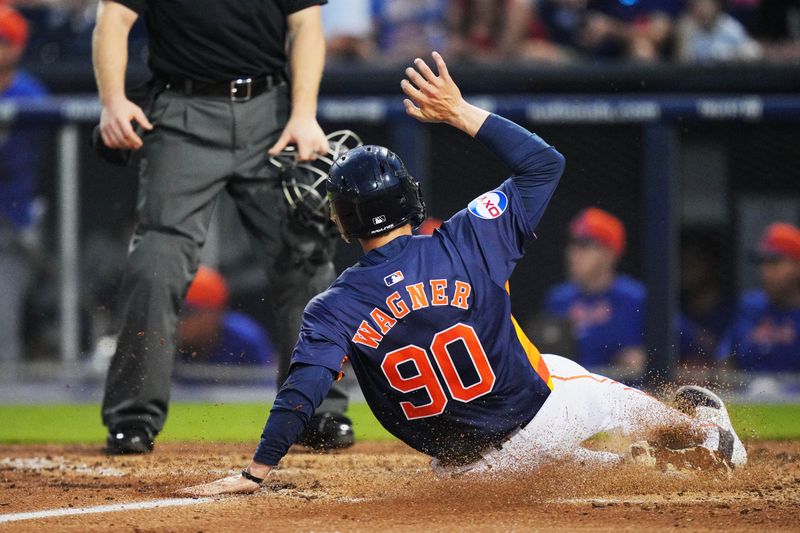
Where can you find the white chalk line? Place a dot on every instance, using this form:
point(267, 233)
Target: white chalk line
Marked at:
point(136, 506)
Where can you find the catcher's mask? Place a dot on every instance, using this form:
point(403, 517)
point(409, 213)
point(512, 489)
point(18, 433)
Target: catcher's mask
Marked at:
point(303, 183)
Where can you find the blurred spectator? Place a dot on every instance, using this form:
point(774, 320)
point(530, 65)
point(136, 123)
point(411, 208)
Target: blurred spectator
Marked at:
point(482, 16)
point(706, 310)
point(606, 310)
point(706, 33)
point(348, 29)
point(20, 150)
point(547, 30)
point(209, 333)
point(765, 335)
point(475, 27)
point(777, 26)
point(406, 29)
point(642, 29)
point(562, 30)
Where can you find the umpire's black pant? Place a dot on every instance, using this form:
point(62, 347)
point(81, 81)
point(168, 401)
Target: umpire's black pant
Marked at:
point(201, 148)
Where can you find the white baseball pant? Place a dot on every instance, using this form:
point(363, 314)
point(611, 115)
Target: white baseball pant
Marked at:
point(580, 406)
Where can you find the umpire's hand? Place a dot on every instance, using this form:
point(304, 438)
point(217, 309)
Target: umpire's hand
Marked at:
point(305, 133)
point(116, 129)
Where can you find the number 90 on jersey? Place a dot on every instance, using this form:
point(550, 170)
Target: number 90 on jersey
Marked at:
point(426, 378)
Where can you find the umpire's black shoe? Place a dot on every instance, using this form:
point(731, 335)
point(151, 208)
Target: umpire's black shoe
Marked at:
point(129, 440)
point(328, 431)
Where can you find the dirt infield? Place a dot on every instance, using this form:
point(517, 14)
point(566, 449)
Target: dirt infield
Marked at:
point(387, 487)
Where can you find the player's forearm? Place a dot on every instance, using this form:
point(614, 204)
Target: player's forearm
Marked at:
point(469, 118)
point(536, 166)
point(110, 49)
point(300, 395)
point(306, 60)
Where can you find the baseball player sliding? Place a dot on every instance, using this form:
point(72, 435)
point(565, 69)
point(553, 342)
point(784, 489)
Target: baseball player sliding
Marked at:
point(426, 321)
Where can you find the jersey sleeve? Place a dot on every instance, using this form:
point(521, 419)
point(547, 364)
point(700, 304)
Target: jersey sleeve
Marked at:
point(493, 230)
point(321, 342)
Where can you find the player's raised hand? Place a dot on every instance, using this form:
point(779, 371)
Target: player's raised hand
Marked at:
point(431, 97)
point(437, 98)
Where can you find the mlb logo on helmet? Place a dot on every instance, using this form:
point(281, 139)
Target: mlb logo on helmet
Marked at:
point(489, 205)
point(393, 279)
point(379, 219)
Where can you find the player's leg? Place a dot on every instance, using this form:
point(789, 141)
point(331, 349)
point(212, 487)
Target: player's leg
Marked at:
point(583, 404)
point(184, 163)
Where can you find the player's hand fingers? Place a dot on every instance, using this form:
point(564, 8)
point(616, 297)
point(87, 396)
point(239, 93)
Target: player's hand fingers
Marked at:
point(412, 110)
point(417, 79)
point(426, 71)
point(412, 92)
point(283, 140)
point(441, 66)
point(141, 118)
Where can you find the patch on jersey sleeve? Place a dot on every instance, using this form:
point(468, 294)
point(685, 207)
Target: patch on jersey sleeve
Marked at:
point(489, 205)
point(393, 279)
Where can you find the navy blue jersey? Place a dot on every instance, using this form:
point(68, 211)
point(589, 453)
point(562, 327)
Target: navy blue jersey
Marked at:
point(430, 335)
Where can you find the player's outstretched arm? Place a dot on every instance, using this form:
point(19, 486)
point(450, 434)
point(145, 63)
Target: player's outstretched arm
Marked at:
point(300, 395)
point(437, 98)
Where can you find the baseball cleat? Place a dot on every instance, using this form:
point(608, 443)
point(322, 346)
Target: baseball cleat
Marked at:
point(328, 431)
point(129, 441)
point(706, 406)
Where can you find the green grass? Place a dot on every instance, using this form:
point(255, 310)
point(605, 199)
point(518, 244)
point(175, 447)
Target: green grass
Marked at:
point(766, 422)
point(186, 422)
point(243, 423)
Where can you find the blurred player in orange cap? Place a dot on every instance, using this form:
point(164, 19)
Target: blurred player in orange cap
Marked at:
point(765, 336)
point(13, 27)
point(605, 310)
point(210, 333)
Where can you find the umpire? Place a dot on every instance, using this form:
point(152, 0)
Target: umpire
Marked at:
point(219, 102)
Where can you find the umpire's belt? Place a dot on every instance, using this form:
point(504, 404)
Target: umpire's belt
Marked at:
point(238, 90)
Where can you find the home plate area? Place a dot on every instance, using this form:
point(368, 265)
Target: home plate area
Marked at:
point(384, 487)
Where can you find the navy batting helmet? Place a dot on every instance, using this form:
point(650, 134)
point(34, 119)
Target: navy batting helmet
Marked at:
point(371, 193)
